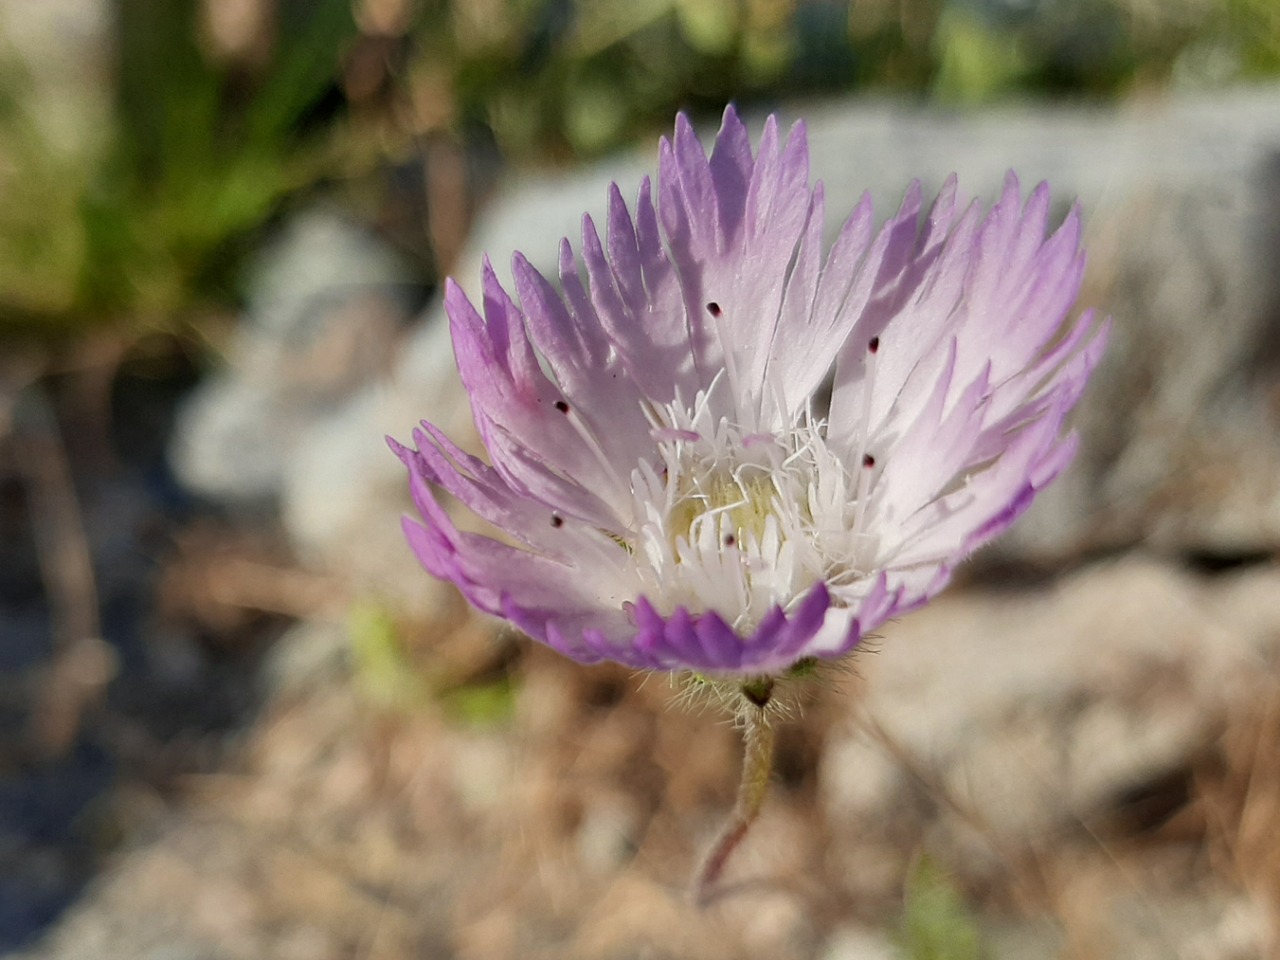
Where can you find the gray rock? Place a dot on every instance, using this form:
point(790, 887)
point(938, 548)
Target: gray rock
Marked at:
point(1180, 427)
point(1212, 927)
point(858, 943)
point(991, 722)
point(307, 655)
point(325, 307)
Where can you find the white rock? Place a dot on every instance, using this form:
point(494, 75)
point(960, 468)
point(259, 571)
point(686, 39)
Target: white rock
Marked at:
point(858, 943)
point(326, 303)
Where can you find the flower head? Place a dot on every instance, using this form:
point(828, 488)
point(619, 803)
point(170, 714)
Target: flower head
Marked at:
point(714, 447)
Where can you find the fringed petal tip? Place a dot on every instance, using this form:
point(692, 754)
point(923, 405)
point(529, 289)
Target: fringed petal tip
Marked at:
point(403, 453)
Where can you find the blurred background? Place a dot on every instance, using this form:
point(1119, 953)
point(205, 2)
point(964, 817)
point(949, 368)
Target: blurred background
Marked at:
point(238, 721)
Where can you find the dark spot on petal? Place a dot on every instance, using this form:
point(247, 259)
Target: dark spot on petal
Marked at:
point(873, 344)
point(713, 308)
point(562, 406)
point(557, 521)
point(730, 539)
point(868, 460)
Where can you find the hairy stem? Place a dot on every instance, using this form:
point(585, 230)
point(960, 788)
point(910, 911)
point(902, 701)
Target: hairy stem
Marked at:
point(757, 762)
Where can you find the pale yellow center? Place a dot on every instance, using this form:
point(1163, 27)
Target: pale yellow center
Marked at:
point(738, 506)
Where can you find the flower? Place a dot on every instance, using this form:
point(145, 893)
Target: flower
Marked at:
point(725, 452)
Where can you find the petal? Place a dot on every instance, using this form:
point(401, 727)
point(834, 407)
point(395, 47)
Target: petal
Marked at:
point(604, 403)
point(731, 167)
point(583, 572)
point(639, 301)
point(802, 342)
point(733, 227)
point(514, 405)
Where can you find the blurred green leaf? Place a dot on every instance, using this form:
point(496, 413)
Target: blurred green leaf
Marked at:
point(200, 156)
point(303, 67)
point(976, 60)
point(488, 704)
point(201, 151)
point(383, 671)
point(710, 26)
point(594, 119)
point(1255, 25)
point(936, 925)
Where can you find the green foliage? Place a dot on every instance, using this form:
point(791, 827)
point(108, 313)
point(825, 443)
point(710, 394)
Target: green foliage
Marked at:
point(975, 60)
point(489, 703)
point(1254, 27)
point(192, 152)
point(936, 924)
point(384, 673)
point(42, 241)
point(199, 154)
point(556, 78)
point(552, 78)
point(389, 678)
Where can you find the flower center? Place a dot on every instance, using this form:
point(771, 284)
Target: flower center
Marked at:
point(741, 522)
point(737, 505)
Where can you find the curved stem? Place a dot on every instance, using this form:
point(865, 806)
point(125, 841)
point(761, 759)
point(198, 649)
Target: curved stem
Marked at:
point(757, 762)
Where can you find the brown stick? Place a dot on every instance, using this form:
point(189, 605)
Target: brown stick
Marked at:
point(82, 663)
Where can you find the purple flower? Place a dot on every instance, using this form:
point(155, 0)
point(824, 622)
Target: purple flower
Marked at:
point(676, 488)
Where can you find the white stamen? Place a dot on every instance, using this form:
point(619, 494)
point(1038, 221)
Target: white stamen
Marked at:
point(734, 520)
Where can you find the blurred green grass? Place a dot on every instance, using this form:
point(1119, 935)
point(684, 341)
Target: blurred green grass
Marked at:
point(201, 146)
point(141, 226)
point(936, 922)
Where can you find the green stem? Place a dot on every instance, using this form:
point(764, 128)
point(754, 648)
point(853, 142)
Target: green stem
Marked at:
point(757, 762)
